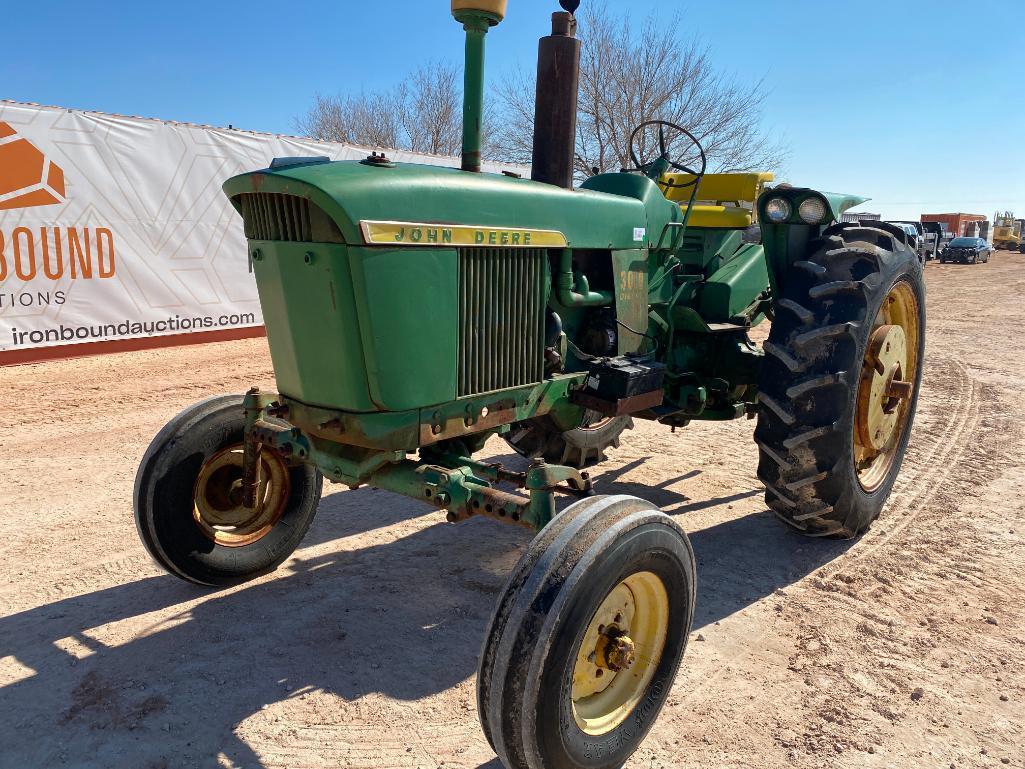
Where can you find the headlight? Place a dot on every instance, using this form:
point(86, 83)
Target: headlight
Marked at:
point(812, 210)
point(778, 210)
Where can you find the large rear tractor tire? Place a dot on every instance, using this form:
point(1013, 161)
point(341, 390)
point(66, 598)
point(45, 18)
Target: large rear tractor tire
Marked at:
point(582, 650)
point(188, 508)
point(840, 381)
point(581, 447)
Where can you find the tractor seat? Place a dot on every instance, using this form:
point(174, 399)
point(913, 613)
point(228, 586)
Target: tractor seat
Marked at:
point(723, 201)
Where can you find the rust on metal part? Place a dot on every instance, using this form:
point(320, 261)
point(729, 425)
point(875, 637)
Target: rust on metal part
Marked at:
point(278, 410)
point(615, 650)
point(457, 425)
point(251, 461)
point(618, 407)
point(492, 503)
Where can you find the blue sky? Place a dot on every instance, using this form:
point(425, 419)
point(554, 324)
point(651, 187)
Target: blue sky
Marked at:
point(913, 103)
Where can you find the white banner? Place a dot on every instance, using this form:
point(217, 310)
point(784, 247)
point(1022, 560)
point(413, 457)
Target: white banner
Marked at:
point(116, 228)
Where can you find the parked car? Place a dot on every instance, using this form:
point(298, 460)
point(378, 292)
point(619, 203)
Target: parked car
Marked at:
point(966, 251)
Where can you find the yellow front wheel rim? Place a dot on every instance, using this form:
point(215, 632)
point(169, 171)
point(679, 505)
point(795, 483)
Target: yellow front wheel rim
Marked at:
point(620, 652)
point(217, 498)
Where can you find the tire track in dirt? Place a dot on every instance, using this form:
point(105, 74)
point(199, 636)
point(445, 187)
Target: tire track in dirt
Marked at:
point(912, 496)
point(62, 584)
point(898, 632)
point(948, 435)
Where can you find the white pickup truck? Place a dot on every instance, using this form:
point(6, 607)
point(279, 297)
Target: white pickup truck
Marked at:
point(917, 238)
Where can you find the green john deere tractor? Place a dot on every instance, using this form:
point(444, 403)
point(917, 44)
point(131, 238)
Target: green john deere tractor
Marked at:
point(412, 312)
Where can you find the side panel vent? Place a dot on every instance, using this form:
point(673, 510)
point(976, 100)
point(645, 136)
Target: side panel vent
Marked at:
point(501, 318)
point(290, 218)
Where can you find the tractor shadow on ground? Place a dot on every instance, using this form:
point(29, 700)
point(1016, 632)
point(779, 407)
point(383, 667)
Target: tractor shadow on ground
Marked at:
point(351, 622)
point(740, 560)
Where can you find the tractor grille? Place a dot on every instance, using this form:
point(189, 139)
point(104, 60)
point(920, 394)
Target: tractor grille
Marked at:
point(501, 318)
point(275, 216)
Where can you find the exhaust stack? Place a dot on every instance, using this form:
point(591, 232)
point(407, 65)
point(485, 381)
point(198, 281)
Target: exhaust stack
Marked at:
point(555, 106)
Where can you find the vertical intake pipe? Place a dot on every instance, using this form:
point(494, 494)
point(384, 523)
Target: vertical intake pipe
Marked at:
point(555, 106)
point(476, 16)
point(473, 91)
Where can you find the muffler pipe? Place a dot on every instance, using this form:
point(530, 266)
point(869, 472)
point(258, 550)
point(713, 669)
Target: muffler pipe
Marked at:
point(555, 104)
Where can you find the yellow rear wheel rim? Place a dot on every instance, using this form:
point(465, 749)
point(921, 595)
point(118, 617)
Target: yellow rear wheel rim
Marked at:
point(886, 388)
point(620, 652)
point(217, 498)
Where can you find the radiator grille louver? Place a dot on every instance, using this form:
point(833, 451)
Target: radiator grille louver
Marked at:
point(501, 318)
point(273, 216)
point(289, 218)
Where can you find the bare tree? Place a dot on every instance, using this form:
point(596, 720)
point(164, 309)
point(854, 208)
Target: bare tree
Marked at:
point(430, 110)
point(371, 120)
point(627, 79)
point(422, 114)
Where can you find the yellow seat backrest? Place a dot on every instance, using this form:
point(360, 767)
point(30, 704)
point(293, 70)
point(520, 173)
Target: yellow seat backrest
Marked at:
point(718, 188)
point(723, 200)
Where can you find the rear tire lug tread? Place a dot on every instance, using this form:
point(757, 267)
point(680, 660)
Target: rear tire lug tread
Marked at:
point(780, 496)
point(809, 480)
point(784, 357)
point(777, 408)
point(836, 288)
point(574, 448)
point(799, 439)
point(812, 268)
point(809, 338)
point(771, 453)
point(816, 383)
point(804, 315)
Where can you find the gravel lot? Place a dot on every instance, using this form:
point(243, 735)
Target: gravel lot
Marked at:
point(902, 649)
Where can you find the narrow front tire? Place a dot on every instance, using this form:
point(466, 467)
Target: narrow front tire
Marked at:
point(587, 638)
point(187, 500)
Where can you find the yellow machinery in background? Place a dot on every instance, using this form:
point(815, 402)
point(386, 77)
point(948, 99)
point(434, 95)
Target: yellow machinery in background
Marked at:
point(1007, 232)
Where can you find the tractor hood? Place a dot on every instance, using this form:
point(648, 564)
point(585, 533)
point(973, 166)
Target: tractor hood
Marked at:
point(354, 193)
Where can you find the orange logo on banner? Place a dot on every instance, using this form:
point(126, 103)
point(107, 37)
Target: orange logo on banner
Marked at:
point(27, 177)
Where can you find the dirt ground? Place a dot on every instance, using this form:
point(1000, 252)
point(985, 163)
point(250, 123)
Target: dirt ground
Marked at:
point(902, 649)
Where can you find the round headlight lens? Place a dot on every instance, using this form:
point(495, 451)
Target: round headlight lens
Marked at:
point(778, 210)
point(812, 210)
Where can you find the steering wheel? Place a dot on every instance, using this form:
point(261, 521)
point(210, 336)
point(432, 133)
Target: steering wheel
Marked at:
point(664, 156)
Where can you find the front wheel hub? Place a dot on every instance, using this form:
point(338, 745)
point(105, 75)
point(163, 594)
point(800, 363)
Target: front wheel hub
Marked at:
point(615, 650)
point(619, 652)
point(218, 508)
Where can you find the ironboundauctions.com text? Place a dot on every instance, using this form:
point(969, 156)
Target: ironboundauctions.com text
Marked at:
point(128, 328)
